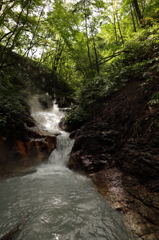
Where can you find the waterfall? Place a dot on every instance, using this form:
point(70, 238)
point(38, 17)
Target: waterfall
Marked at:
point(50, 121)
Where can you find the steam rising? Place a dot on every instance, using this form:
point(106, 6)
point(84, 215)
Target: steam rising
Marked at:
point(35, 105)
point(49, 118)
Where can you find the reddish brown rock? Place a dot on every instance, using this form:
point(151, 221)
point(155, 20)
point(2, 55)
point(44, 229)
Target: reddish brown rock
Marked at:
point(25, 146)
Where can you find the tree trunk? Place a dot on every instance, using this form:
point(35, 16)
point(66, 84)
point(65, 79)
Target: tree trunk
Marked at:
point(57, 59)
point(133, 19)
point(115, 30)
point(118, 22)
point(87, 42)
point(96, 56)
point(138, 12)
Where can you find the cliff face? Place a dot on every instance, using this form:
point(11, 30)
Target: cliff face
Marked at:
point(119, 150)
point(24, 145)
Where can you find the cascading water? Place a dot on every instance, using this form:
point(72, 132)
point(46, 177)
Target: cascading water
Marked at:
point(55, 203)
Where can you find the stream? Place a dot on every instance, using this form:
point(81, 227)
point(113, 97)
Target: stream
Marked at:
point(55, 203)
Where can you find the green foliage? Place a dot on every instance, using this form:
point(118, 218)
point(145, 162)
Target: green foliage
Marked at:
point(92, 93)
point(139, 59)
point(76, 116)
point(11, 98)
point(154, 100)
point(72, 42)
point(19, 22)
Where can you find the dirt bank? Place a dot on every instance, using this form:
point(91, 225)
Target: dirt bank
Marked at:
point(119, 150)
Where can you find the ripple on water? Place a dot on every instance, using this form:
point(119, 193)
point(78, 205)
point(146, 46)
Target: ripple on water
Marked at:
point(58, 206)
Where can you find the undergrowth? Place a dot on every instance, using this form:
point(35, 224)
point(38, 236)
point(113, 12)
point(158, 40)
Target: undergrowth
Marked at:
point(139, 59)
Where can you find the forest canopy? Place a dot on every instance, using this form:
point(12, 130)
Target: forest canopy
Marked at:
point(81, 44)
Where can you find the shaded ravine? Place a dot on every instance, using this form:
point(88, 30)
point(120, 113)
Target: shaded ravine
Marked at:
point(56, 203)
point(119, 148)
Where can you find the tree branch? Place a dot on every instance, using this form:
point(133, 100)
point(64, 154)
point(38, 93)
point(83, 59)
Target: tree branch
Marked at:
point(103, 60)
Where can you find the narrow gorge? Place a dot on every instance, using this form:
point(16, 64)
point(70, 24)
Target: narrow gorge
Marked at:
point(54, 202)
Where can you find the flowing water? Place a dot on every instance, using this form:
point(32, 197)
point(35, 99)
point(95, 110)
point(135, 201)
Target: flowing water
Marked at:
point(55, 203)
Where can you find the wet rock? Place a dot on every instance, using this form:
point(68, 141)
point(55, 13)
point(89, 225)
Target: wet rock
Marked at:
point(26, 145)
point(3, 150)
point(25, 172)
point(93, 151)
point(69, 127)
point(87, 163)
point(143, 229)
point(75, 134)
point(139, 160)
point(126, 173)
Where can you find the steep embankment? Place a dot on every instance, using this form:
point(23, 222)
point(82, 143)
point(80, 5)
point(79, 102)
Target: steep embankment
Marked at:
point(119, 150)
point(22, 143)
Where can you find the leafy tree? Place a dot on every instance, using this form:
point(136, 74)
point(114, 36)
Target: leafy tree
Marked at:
point(76, 41)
